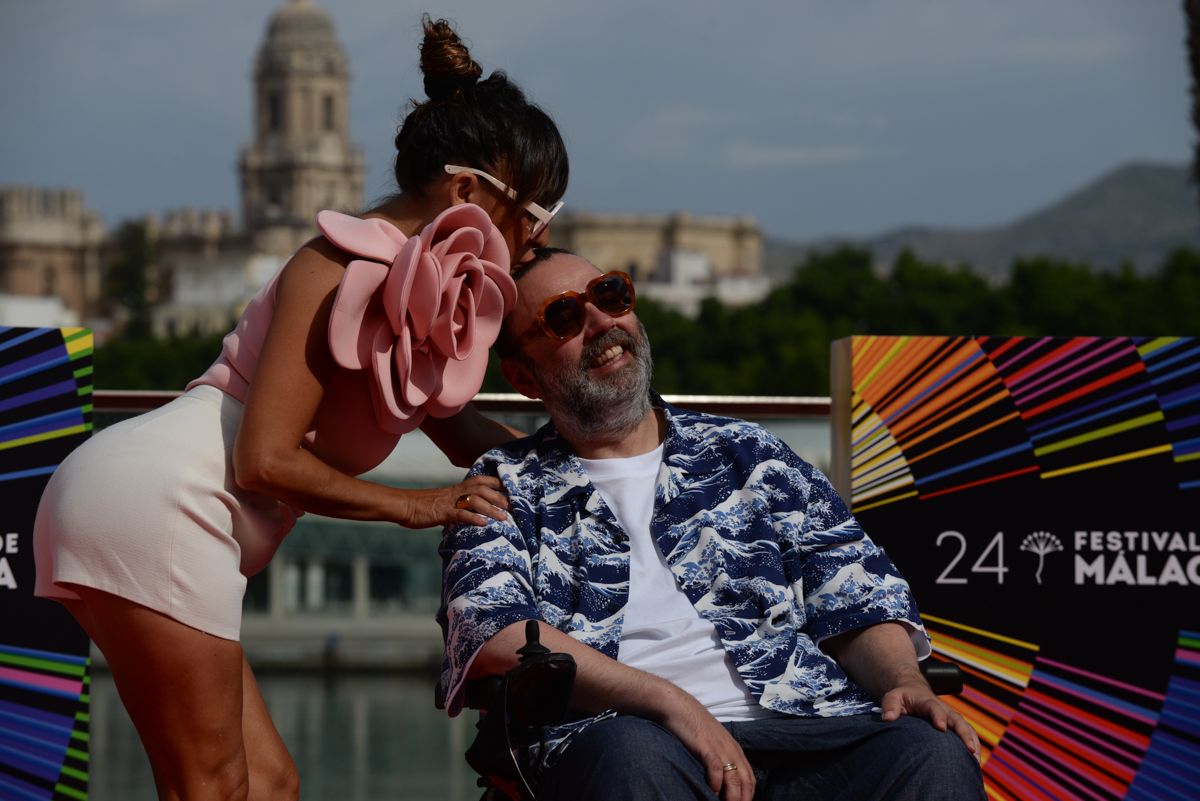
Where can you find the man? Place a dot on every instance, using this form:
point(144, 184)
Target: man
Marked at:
point(732, 625)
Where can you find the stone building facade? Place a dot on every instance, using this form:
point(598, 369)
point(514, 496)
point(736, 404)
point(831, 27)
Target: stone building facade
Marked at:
point(640, 244)
point(50, 247)
point(301, 159)
point(678, 259)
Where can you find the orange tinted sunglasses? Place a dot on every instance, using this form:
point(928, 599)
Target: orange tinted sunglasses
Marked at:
point(563, 315)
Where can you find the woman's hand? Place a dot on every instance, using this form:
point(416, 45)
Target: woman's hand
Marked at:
point(471, 503)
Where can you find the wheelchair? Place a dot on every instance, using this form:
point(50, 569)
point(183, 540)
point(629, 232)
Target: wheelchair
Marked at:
point(514, 710)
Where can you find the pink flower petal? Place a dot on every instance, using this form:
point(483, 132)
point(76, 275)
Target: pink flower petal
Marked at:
point(467, 241)
point(374, 238)
point(421, 314)
point(353, 316)
point(391, 412)
point(453, 333)
point(463, 216)
point(410, 295)
point(424, 377)
point(424, 301)
point(460, 382)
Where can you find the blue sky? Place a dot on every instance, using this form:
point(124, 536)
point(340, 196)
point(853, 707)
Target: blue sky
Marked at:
point(816, 117)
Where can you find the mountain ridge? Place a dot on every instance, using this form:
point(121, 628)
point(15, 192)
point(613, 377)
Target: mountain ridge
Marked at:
point(1136, 213)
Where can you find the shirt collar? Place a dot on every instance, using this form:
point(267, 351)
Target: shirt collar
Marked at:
point(686, 450)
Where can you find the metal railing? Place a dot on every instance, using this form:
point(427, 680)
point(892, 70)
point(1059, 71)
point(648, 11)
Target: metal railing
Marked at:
point(347, 560)
point(757, 406)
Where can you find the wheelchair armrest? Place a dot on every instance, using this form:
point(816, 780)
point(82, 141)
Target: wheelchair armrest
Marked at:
point(478, 694)
point(535, 692)
point(944, 677)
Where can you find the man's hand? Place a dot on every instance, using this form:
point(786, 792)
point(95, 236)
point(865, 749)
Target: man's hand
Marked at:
point(918, 700)
point(881, 660)
point(728, 771)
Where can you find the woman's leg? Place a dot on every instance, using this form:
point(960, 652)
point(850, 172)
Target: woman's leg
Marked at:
point(272, 772)
point(183, 691)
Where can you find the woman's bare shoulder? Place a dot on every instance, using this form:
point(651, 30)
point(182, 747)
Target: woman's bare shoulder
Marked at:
point(318, 264)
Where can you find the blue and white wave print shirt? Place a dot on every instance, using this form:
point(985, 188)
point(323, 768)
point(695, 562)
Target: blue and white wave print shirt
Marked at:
point(756, 537)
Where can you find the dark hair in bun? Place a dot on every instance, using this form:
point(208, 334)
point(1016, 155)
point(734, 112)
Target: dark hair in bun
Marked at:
point(487, 124)
point(445, 61)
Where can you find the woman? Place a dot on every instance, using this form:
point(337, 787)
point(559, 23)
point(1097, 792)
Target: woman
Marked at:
point(147, 532)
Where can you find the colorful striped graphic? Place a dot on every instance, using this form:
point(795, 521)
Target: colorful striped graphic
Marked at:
point(1045, 490)
point(1075, 735)
point(996, 671)
point(45, 412)
point(1173, 366)
point(37, 404)
point(1046, 407)
point(1170, 768)
point(43, 724)
point(1056, 732)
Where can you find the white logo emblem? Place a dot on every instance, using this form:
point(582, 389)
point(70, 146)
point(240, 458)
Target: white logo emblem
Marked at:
point(1041, 543)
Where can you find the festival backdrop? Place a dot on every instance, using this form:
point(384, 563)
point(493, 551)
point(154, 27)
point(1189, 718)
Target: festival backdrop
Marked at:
point(1042, 496)
point(45, 411)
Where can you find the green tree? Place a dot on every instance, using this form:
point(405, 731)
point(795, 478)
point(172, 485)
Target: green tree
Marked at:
point(930, 298)
point(145, 363)
point(780, 346)
point(1051, 297)
point(127, 277)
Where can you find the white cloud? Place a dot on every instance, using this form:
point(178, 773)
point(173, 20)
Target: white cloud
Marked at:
point(144, 103)
point(672, 132)
point(750, 154)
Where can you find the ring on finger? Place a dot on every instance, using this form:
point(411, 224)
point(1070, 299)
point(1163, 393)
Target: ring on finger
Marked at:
point(463, 502)
point(728, 766)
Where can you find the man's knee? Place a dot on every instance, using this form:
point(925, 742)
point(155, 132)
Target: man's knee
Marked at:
point(633, 743)
point(937, 764)
point(627, 757)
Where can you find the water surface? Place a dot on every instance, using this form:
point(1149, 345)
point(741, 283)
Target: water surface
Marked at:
point(354, 737)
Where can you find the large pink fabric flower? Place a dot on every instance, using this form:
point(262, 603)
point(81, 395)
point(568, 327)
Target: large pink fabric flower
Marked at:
point(419, 313)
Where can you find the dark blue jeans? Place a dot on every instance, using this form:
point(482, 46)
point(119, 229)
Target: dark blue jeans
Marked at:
point(808, 759)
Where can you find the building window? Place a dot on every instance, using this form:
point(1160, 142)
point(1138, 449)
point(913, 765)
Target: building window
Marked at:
point(314, 585)
point(327, 111)
point(338, 591)
point(274, 112)
point(274, 208)
point(388, 584)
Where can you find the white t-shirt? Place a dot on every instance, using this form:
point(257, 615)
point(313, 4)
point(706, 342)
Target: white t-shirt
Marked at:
point(663, 633)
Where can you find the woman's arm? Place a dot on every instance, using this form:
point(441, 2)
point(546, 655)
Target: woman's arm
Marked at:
point(288, 387)
point(467, 435)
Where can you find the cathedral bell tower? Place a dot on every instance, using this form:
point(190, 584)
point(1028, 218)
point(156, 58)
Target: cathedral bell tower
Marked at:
point(301, 159)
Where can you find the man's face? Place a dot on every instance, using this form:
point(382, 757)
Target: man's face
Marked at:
point(596, 381)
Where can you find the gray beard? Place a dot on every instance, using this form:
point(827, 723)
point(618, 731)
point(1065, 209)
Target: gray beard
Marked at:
point(584, 408)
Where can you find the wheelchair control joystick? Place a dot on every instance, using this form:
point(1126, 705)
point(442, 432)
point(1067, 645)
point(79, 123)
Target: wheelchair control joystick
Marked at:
point(533, 646)
point(534, 694)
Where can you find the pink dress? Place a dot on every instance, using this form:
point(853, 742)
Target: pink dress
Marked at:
point(148, 509)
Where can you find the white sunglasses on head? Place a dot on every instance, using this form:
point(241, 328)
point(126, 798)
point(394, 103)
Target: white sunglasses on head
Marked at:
point(541, 216)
